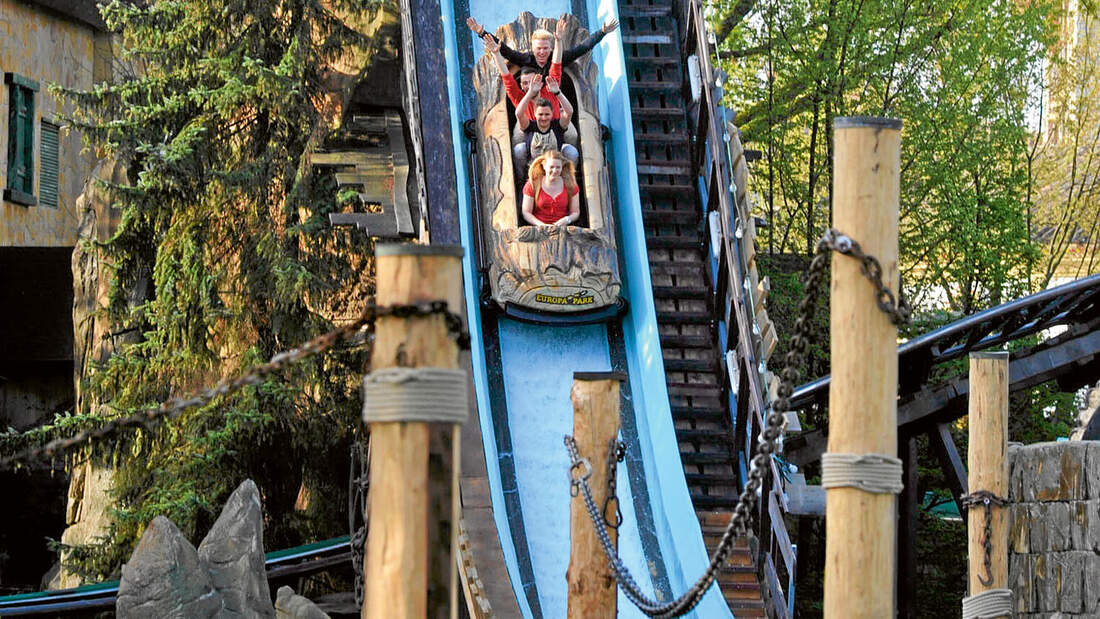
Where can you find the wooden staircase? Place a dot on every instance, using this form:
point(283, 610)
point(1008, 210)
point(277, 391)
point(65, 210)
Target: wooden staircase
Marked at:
point(679, 265)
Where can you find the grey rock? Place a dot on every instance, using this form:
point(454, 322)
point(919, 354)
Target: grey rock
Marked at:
point(1051, 471)
point(290, 605)
point(1058, 526)
point(165, 578)
point(1091, 594)
point(233, 552)
point(1070, 569)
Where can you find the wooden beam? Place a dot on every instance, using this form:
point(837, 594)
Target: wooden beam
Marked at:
point(592, 587)
point(859, 532)
point(988, 466)
point(411, 502)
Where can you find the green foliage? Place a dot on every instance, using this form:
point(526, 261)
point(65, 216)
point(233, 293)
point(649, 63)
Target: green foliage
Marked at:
point(958, 74)
point(221, 259)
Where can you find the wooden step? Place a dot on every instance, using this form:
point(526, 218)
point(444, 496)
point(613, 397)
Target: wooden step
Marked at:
point(691, 365)
point(682, 267)
point(700, 413)
point(653, 60)
point(674, 242)
point(653, 112)
point(662, 138)
point(644, 10)
point(693, 389)
point(712, 435)
point(699, 457)
point(647, 39)
point(686, 341)
point(665, 189)
point(684, 318)
point(676, 167)
point(700, 500)
point(655, 85)
point(680, 292)
point(709, 479)
point(673, 216)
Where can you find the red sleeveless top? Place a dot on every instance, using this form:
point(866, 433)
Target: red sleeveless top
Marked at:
point(550, 209)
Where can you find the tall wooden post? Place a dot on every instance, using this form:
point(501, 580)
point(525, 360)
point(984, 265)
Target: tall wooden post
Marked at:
point(409, 566)
point(592, 589)
point(859, 530)
point(988, 465)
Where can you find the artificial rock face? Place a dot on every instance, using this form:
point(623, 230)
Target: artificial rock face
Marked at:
point(233, 552)
point(224, 579)
point(166, 578)
point(290, 605)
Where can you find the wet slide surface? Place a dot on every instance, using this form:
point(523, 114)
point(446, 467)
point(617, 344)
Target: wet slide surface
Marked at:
point(523, 374)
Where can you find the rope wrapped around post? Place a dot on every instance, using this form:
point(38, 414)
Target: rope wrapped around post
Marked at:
point(431, 395)
point(988, 604)
point(877, 473)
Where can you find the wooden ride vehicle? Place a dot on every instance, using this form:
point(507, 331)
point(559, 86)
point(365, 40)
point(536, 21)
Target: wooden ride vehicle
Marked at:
point(547, 274)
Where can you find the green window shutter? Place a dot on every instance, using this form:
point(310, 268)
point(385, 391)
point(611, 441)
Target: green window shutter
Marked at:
point(49, 167)
point(20, 187)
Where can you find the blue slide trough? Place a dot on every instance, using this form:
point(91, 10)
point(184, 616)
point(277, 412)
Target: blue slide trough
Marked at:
point(523, 372)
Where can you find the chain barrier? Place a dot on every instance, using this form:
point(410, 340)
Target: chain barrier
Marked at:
point(358, 482)
point(768, 442)
point(170, 409)
point(986, 499)
point(616, 453)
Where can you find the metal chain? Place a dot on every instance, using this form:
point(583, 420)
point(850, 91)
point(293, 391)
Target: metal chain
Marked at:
point(988, 500)
point(768, 442)
point(170, 409)
point(616, 452)
point(358, 482)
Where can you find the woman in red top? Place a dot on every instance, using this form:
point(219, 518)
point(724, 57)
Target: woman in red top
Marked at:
point(551, 196)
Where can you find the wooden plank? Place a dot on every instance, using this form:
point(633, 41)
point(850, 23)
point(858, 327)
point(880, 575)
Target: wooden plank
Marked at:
point(805, 500)
point(950, 462)
point(782, 541)
point(775, 591)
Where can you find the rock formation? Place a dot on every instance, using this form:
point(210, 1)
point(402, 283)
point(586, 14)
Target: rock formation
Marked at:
point(224, 579)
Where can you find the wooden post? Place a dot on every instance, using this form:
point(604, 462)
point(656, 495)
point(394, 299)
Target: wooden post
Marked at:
point(859, 529)
point(409, 565)
point(592, 589)
point(988, 466)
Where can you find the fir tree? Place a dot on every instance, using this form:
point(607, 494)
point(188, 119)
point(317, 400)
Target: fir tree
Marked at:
point(221, 259)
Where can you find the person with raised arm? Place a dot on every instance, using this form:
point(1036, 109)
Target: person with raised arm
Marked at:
point(514, 90)
point(543, 43)
point(542, 133)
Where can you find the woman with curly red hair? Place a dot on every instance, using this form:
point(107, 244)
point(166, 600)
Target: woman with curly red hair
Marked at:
point(551, 196)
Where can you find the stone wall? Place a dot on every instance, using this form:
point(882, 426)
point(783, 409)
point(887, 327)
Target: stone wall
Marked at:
point(1054, 529)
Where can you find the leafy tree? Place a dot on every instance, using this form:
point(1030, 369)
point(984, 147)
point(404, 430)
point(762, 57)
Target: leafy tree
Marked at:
point(958, 74)
point(221, 259)
point(1066, 152)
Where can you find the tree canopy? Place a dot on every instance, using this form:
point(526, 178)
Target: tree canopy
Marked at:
point(959, 75)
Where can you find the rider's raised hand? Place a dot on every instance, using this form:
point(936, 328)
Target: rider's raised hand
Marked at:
point(610, 25)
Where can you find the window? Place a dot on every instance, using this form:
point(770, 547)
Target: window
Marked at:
point(20, 187)
point(48, 168)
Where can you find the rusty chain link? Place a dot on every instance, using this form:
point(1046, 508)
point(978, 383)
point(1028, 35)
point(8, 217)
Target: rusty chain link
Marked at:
point(986, 499)
point(358, 483)
point(616, 452)
point(170, 409)
point(898, 312)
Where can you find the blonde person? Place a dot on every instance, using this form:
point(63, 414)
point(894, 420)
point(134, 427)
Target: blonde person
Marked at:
point(516, 91)
point(543, 42)
point(551, 196)
point(543, 132)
